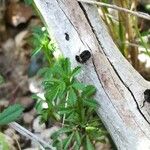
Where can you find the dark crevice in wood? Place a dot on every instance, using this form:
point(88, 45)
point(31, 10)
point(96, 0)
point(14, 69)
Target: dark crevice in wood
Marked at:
point(127, 88)
point(103, 87)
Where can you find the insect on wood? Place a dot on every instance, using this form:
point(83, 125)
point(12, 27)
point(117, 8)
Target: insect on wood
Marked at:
point(83, 57)
point(67, 36)
point(146, 96)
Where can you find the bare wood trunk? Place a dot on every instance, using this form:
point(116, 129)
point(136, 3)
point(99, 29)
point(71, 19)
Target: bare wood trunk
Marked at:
point(119, 87)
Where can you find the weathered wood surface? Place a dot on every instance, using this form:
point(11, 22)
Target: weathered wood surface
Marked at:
point(119, 87)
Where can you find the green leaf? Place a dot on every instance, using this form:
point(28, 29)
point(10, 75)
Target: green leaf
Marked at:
point(36, 97)
point(78, 138)
point(89, 91)
point(76, 71)
point(45, 72)
point(45, 115)
point(51, 95)
point(37, 31)
point(4, 145)
point(76, 147)
point(36, 51)
point(91, 103)
point(63, 130)
point(51, 46)
point(147, 6)
point(58, 144)
point(96, 122)
point(72, 97)
point(62, 87)
point(96, 133)
point(89, 145)
point(28, 2)
point(68, 141)
point(57, 69)
point(66, 65)
point(39, 106)
point(66, 110)
point(72, 118)
point(10, 114)
point(78, 86)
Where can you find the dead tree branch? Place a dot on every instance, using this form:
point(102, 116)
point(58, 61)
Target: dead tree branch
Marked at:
point(119, 87)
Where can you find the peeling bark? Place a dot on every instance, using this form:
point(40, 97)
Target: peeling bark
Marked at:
point(119, 87)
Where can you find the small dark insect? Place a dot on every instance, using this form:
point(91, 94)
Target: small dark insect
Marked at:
point(146, 96)
point(83, 57)
point(67, 36)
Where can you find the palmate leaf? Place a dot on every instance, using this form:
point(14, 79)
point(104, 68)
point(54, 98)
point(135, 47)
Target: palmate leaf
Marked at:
point(10, 114)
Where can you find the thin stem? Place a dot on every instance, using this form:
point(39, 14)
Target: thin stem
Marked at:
point(64, 116)
point(19, 148)
point(47, 55)
point(142, 41)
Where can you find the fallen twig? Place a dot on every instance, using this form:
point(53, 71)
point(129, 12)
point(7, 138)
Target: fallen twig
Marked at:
point(135, 13)
point(30, 135)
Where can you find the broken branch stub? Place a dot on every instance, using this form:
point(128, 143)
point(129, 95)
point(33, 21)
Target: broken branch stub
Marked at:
point(119, 87)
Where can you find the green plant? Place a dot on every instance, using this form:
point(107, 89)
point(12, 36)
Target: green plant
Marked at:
point(10, 114)
point(43, 48)
point(70, 104)
point(42, 43)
